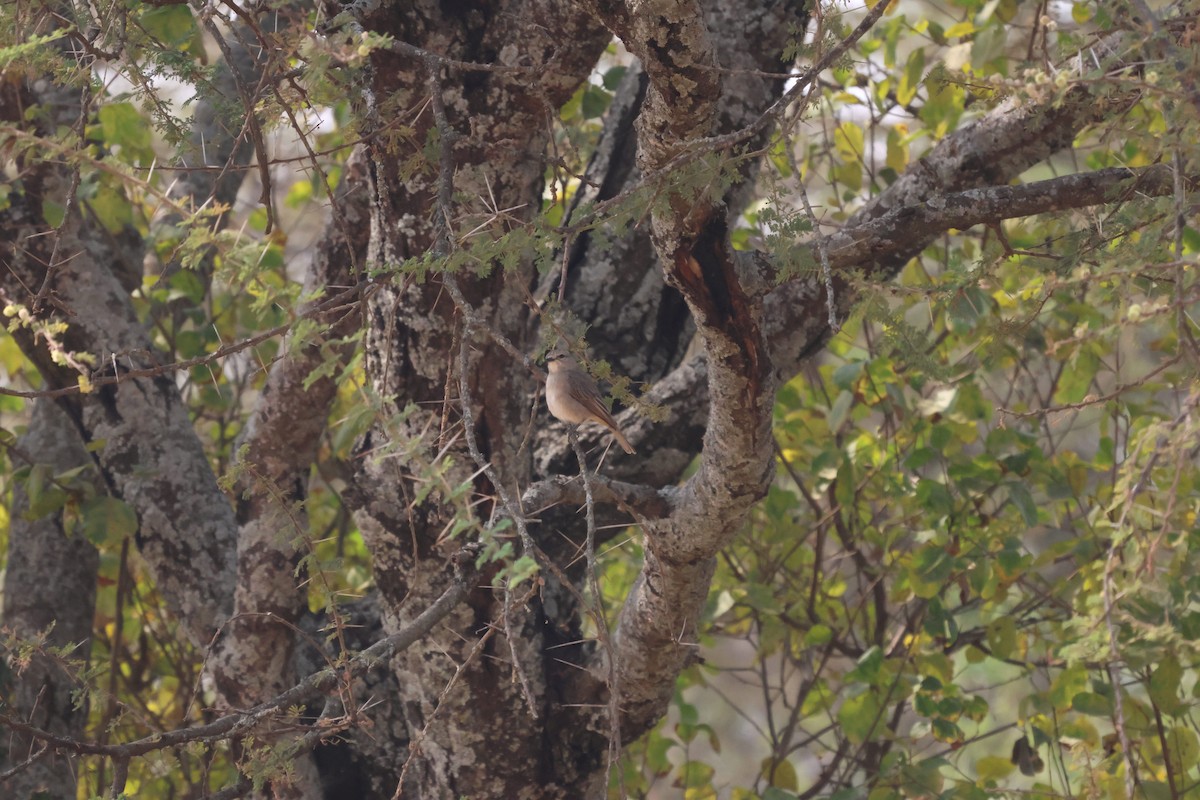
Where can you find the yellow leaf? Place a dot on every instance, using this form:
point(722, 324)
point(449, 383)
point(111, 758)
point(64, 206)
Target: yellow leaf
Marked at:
point(965, 28)
point(993, 768)
point(780, 774)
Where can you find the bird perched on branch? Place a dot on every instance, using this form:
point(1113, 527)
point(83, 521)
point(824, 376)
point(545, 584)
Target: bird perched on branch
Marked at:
point(574, 398)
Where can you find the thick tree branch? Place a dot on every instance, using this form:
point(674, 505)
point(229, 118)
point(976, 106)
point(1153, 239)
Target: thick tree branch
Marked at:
point(145, 447)
point(672, 41)
point(910, 227)
point(637, 500)
point(277, 449)
point(656, 633)
point(993, 151)
point(499, 122)
point(50, 592)
point(254, 658)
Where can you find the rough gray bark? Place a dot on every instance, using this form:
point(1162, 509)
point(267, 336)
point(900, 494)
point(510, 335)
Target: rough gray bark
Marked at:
point(493, 138)
point(148, 454)
point(50, 592)
point(255, 657)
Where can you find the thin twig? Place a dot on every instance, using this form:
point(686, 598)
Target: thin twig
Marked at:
point(37, 755)
point(605, 635)
point(821, 244)
point(251, 125)
point(1092, 400)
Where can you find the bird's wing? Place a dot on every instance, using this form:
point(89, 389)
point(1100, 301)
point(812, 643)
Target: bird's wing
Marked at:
point(584, 389)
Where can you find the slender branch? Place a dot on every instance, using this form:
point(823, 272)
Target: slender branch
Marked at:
point(1092, 400)
point(638, 500)
point(236, 725)
point(597, 609)
point(205, 13)
point(37, 755)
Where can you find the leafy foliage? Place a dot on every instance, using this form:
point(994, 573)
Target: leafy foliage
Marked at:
point(979, 537)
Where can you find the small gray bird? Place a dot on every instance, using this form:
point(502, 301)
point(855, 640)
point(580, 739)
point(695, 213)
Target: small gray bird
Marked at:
point(573, 396)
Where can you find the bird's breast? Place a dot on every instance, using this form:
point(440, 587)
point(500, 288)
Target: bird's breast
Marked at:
point(560, 402)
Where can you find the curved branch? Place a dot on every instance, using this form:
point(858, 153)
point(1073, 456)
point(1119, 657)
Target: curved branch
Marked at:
point(657, 622)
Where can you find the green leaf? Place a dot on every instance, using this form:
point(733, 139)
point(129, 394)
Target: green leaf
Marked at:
point(775, 793)
point(124, 126)
point(868, 667)
point(172, 25)
point(111, 207)
point(1184, 748)
point(1156, 790)
point(1092, 704)
point(934, 497)
point(53, 213)
point(1023, 500)
point(595, 102)
point(1002, 637)
point(931, 567)
point(848, 138)
point(695, 774)
point(108, 520)
point(910, 81)
point(656, 753)
point(818, 635)
point(847, 375)
point(837, 414)
point(688, 713)
point(988, 46)
point(859, 716)
point(946, 731)
point(993, 768)
point(613, 77)
point(1164, 685)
